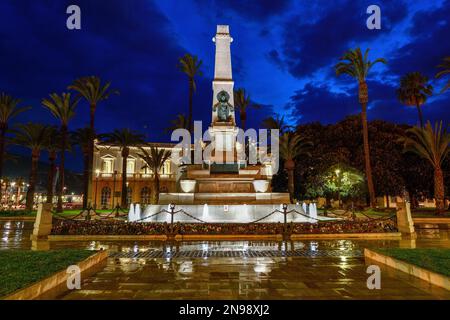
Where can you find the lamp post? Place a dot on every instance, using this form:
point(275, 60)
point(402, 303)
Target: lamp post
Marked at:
point(337, 171)
point(97, 173)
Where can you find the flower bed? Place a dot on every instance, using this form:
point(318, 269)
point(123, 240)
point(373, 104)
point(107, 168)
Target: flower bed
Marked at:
point(70, 227)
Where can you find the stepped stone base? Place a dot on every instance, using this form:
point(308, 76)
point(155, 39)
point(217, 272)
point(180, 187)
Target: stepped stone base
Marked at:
point(224, 198)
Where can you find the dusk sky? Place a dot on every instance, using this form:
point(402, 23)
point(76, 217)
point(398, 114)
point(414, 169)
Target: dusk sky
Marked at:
point(283, 54)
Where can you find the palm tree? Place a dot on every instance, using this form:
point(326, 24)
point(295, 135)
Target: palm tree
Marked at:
point(52, 146)
point(276, 122)
point(155, 160)
point(413, 91)
point(446, 70)
point(292, 146)
point(431, 144)
point(190, 65)
point(124, 139)
point(33, 136)
point(180, 122)
point(63, 108)
point(83, 137)
point(242, 102)
point(354, 64)
point(8, 110)
point(93, 91)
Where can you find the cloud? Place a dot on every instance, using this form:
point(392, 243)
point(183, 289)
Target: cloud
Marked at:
point(318, 103)
point(427, 46)
point(255, 10)
point(311, 44)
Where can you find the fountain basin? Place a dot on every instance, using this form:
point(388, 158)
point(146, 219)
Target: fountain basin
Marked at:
point(187, 186)
point(261, 185)
point(243, 213)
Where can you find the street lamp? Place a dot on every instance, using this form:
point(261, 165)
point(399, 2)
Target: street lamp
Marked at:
point(97, 174)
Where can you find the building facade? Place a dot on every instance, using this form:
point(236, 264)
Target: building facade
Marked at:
point(107, 176)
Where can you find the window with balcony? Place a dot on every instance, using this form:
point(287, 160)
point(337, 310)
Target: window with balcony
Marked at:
point(165, 169)
point(107, 167)
point(131, 165)
point(146, 172)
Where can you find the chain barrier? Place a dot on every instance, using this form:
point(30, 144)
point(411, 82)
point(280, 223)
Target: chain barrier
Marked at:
point(303, 215)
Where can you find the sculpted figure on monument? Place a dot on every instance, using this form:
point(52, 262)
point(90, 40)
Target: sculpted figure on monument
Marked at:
point(223, 107)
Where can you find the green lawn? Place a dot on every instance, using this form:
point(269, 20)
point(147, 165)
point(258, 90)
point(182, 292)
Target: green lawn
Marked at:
point(24, 213)
point(436, 260)
point(20, 268)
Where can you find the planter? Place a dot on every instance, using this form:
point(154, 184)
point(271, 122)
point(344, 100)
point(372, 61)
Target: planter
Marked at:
point(188, 186)
point(261, 185)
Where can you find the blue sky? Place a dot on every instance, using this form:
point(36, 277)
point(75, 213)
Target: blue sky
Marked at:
point(283, 55)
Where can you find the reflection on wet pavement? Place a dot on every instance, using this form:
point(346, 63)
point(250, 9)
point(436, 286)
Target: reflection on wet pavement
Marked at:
point(309, 269)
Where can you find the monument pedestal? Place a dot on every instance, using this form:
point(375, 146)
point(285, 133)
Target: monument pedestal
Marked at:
point(405, 223)
point(42, 227)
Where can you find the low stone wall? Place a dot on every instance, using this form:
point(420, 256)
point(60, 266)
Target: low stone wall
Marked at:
point(424, 274)
point(94, 237)
point(17, 218)
point(56, 284)
point(374, 236)
point(432, 223)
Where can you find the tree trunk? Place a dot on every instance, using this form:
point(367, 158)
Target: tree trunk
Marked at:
point(90, 177)
point(59, 207)
point(32, 182)
point(155, 190)
point(125, 153)
point(439, 190)
point(86, 158)
point(419, 111)
point(367, 156)
point(2, 152)
point(191, 93)
point(51, 176)
point(243, 119)
point(289, 166)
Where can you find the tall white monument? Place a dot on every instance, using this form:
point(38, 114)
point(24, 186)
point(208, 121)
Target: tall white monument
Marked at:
point(223, 126)
point(225, 178)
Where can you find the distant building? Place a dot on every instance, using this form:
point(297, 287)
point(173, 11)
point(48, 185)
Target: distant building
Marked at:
point(107, 176)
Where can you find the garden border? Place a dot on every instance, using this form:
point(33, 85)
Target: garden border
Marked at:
point(18, 218)
point(55, 284)
point(419, 272)
point(368, 235)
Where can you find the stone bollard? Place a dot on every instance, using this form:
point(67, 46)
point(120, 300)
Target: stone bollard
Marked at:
point(405, 223)
point(42, 227)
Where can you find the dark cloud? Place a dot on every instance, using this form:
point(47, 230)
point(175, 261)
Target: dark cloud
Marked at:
point(318, 103)
point(274, 56)
point(308, 46)
point(428, 45)
point(250, 9)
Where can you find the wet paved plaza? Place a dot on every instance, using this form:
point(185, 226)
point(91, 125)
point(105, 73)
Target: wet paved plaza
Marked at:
point(309, 269)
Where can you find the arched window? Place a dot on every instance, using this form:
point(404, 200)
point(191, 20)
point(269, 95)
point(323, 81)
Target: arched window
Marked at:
point(129, 195)
point(105, 196)
point(145, 195)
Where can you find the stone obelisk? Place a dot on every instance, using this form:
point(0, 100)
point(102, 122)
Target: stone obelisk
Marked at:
point(223, 127)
